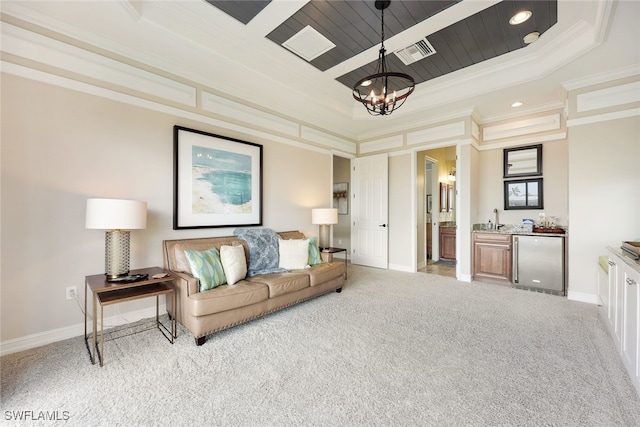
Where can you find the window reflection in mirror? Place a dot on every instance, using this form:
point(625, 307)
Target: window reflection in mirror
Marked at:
point(523, 161)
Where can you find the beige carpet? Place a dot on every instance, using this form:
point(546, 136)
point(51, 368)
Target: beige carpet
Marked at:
point(391, 349)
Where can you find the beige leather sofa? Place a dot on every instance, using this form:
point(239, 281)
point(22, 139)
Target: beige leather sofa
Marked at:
point(204, 313)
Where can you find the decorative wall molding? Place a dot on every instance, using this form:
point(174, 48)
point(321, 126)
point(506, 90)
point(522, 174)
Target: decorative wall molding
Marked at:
point(388, 143)
point(41, 76)
point(517, 128)
point(556, 136)
point(236, 111)
point(623, 114)
point(47, 51)
point(314, 135)
point(475, 130)
point(608, 97)
point(446, 131)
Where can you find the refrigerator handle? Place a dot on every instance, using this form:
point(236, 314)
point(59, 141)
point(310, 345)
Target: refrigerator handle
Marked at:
point(515, 259)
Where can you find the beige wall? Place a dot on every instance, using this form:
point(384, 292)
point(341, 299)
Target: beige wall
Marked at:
point(604, 194)
point(555, 184)
point(60, 147)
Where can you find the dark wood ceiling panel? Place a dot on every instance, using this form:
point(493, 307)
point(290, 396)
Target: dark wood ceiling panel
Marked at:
point(494, 30)
point(244, 11)
point(354, 26)
point(448, 50)
point(468, 42)
point(482, 36)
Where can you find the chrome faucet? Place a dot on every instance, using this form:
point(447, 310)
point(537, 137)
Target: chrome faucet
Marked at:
point(497, 223)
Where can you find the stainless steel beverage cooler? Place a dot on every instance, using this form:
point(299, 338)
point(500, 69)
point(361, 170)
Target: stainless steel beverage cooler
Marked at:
point(538, 263)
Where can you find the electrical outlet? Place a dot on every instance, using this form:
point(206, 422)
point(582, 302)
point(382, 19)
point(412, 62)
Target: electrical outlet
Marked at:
point(72, 292)
point(339, 241)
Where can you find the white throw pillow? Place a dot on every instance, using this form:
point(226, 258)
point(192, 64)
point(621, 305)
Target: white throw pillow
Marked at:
point(234, 263)
point(294, 253)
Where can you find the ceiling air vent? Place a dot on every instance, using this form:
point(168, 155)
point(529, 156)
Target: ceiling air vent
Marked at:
point(415, 52)
point(308, 43)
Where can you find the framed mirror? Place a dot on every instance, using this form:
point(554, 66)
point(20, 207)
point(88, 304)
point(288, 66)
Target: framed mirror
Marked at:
point(523, 194)
point(523, 161)
point(443, 197)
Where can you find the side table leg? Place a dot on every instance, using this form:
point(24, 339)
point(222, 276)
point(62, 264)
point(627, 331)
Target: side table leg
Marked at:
point(101, 354)
point(95, 327)
point(175, 312)
point(86, 336)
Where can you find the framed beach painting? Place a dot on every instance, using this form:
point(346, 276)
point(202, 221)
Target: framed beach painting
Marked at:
point(217, 181)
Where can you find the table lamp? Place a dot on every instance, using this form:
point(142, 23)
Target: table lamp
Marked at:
point(117, 217)
point(324, 217)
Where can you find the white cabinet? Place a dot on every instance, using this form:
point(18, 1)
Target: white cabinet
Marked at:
point(623, 310)
point(630, 282)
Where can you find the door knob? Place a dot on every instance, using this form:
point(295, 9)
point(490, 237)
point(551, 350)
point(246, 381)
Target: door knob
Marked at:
point(382, 225)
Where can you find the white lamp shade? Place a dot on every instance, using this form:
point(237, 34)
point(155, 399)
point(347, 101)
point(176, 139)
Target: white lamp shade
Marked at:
point(324, 216)
point(116, 214)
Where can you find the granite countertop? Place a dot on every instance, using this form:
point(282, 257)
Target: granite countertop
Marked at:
point(448, 224)
point(516, 229)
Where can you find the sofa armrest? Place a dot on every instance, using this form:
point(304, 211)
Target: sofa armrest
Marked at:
point(187, 281)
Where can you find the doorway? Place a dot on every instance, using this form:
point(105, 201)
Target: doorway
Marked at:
point(436, 212)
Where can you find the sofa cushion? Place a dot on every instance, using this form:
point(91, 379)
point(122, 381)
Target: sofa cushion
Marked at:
point(226, 297)
point(234, 263)
point(319, 274)
point(293, 253)
point(314, 251)
point(282, 283)
point(206, 267)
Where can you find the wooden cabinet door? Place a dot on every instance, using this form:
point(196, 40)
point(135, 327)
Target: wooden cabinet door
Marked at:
point(492, 258)
point(448, 243)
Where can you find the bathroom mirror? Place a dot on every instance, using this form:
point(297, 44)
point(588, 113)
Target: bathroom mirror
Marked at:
point(443, 197)
point(523, 161)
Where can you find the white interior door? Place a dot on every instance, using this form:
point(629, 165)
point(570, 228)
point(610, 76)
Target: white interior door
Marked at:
point(369, 226)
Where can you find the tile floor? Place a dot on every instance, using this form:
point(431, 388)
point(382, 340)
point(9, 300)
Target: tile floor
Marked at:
point(439, 269)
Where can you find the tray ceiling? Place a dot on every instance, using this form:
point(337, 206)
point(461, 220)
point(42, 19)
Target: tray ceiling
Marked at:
point(234, 49)
point(354, 26)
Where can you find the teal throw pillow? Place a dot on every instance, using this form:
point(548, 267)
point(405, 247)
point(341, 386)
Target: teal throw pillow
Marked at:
point(206, 267)
point(314, 251)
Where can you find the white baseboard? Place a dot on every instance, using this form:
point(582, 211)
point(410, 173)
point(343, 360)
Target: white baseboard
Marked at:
point(464, 277)
point(43, 338)
point(398, 267)
point(583, 297)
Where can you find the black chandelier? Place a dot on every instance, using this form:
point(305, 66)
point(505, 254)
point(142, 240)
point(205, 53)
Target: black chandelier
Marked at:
point(384, 91)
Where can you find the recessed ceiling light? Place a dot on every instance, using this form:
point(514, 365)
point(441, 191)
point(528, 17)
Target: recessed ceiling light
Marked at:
point(531, 37)
point(520, 17)
point(365, 83)
point(516, 104)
